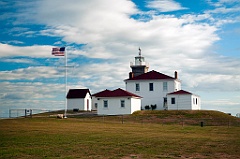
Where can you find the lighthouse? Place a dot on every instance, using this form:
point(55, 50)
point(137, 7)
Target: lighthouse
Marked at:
point(139, 66)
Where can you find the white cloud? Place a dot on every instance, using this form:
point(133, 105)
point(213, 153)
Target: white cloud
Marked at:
point(13, 42)
point(219, 100)
point(29, 51)
point(27, 95)
point(109, 33)
point(220, 3)
point(30, 90)
point(193, 18)
point(31, 73)
point(19, 60)
point(224, 10)
point(165, 5)
point(212, 82)
point(222, 102)
point(99, 76)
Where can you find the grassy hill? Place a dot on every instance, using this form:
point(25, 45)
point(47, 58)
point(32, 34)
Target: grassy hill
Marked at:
point(188, 114)
point(190, 117)
point(107, 138)
point(186, 117)
point(204, 114)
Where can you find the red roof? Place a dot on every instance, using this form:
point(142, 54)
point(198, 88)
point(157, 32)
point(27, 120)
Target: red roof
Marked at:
point(115, 93)
point(102, 93)
point(180, 92)
point(151, 75)
point(77, 93)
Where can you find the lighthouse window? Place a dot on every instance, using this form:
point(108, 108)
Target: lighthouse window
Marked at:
point(165, 86)
point(150, 86)
point(137, 87)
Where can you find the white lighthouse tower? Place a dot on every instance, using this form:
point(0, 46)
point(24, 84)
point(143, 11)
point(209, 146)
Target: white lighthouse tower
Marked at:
point(139, 66)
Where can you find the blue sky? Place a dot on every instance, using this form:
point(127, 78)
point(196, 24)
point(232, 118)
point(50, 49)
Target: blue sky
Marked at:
point(199, 39)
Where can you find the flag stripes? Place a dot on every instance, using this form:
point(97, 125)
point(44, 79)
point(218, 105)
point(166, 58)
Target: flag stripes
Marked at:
point(58, 51)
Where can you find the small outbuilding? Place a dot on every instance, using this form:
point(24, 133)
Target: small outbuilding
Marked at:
point(116, 102)
point(79, 99)
point(183, 100)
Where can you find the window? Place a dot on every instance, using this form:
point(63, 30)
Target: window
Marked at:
point(196, 101)
point(165, 86)
point(105, 103)
point(122, 103)
point(150, 86)
point(172, 100)
point(193, 100)
point(95, 104)
point(137, 87)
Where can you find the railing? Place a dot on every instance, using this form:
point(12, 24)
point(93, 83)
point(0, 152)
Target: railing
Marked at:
point(13, 113)
point(141, 64)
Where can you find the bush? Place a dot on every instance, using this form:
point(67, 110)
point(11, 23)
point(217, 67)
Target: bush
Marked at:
point(75, 110)
point(147, 107)
point(154, 106)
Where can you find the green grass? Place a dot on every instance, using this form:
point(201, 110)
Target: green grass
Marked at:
point(185, 114)
point(188, 117)
point(87, 138)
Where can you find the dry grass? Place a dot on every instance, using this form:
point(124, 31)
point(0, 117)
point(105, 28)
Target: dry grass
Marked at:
point(83, 138)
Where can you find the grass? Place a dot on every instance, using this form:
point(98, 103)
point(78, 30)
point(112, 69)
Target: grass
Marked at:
point(209, 114)
point(189, 117)
point(87, 138)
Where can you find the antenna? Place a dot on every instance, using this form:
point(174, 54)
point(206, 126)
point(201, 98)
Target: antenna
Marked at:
point(139, 51)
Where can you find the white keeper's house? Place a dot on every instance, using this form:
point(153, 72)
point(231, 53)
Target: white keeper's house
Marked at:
point(116, 102)
point(183, 100)
point(159, 91)
point(79, 99)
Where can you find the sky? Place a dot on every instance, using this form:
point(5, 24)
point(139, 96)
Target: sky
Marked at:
point(199, 39)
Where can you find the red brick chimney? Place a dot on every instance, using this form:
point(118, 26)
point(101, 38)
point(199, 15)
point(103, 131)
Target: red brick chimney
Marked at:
point(176, 75)
point(131, 75)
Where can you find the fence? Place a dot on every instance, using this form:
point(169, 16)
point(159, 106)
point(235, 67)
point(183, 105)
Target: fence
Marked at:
point(13, 113)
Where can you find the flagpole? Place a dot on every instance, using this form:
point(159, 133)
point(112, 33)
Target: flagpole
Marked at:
point(65, 112)
point(62, 52)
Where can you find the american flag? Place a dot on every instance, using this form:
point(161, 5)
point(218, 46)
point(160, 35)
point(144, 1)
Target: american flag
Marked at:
point(58, 51)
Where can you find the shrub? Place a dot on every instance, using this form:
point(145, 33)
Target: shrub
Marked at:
point(147, 107)
point(154, 106)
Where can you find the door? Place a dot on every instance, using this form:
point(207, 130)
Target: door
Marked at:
point(87, 104)
point(165, 103)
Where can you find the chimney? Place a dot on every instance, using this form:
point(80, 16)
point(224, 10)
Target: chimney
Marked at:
point(176, 75)
point(131, 75)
